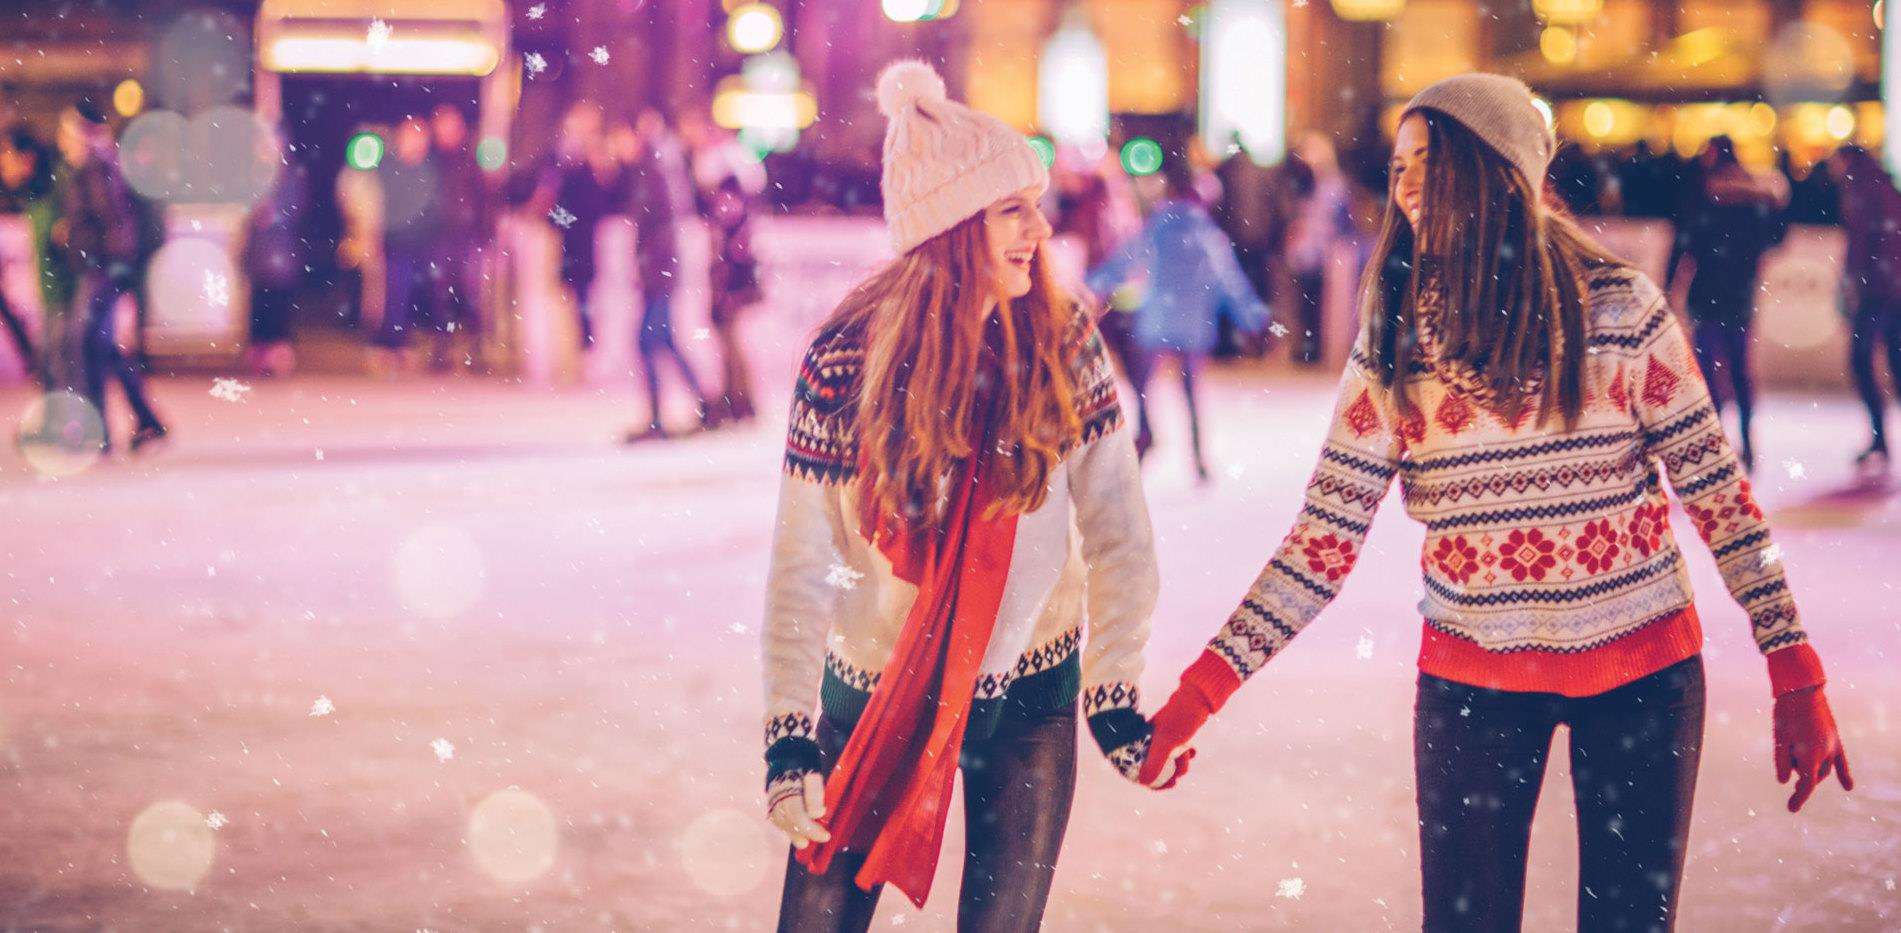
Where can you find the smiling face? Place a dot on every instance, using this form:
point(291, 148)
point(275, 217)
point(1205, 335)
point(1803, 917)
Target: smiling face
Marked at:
point(1015, 228)
point(1409, 167)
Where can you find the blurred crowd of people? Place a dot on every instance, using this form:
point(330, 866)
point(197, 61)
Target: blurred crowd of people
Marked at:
point(657, 175)
point(1187, 260)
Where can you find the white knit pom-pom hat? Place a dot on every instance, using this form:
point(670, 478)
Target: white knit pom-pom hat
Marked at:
point(943, 162)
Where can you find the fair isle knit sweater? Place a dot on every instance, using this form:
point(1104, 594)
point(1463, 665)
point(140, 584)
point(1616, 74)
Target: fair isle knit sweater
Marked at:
point(1549, 563)
point(1076, 600)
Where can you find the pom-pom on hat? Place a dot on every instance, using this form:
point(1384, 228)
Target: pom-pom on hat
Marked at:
point(1499, 110)
point(943, 162)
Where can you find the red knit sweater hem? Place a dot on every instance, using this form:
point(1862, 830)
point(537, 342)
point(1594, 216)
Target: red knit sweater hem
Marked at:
point(1649, 648)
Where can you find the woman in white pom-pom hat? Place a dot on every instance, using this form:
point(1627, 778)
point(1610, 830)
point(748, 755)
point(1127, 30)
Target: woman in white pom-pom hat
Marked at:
point(959, 503)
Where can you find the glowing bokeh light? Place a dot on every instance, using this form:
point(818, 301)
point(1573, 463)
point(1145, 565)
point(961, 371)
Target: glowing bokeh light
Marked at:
point(754, 28)
point(128, 98)
point(1141, 156)
point(152, 154)
point(906, 11)
point(170, 846)
point(512, 836)
point(1558, 45)
point(1840, 122)
point(491, 154)
point(727, 853)
point(439, 572)
point(1244, 79)
point(60, 435)
point(364, 151)
point(1045, 150)
point(1072, 83)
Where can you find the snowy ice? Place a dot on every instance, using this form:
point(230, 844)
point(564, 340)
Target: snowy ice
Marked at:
point(226, 389)
point(323, 707)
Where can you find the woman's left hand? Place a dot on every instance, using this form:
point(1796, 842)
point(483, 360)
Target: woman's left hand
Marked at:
point(1808, 745)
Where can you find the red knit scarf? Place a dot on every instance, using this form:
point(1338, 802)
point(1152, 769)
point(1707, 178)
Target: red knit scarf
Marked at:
point(890, 792)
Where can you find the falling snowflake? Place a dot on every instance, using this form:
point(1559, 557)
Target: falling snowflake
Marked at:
point(323, 707)
point(1888, 883)
point(1159, 847)
point(538, 11)
point(216, 820)
point(217, 289)
point(703, 333)
point(562, 217)
point(599, 54)
point(535, 63)
point(843, 577)
point(226, 389)
point(1291, 887)
point(1277, 329)
point(1771, 555)
point(379, 34)
point(1797, 469)
point(1364, 650)
point(443, 748)
point(737, 628)
point(1300, 4)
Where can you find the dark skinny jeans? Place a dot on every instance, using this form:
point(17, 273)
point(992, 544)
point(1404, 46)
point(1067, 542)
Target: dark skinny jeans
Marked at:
point(1479, 755)
point(1018, 786)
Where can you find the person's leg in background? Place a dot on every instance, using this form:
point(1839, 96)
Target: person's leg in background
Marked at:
point(831, 901)
point(22, 342)
point(1890, 329)
point(1018, 787)
point(1479, 760)
point(401, 289)
point(1868, 332)
point(1311, 292)
point(1190, 363)
point(1139, 363)
point(735, 373)
point(104, 360)
point(655, 343)
point(1735, 337)
point(1634, 757)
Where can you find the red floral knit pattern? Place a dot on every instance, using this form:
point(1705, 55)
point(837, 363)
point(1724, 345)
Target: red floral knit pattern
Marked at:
point(1538, 539)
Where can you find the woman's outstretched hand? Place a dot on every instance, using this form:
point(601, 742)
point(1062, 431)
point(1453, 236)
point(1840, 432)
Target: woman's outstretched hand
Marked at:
point(1808, 745)
point(1171, 743)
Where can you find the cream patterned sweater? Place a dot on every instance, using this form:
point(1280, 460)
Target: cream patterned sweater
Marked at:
point(1076, 603)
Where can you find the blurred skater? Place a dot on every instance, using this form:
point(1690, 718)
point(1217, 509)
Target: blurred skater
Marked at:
point(1193, 279)
point(1871, 285)
point(654, 190)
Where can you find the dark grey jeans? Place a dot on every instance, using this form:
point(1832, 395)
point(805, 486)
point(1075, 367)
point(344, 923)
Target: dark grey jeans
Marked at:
point(1479, 756)
point(1018, 786)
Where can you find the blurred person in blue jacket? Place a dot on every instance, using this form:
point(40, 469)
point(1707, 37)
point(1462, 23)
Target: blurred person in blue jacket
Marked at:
point(1193, 282)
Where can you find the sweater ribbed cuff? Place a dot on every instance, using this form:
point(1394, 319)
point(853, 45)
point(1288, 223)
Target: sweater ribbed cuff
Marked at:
point(1796, 667)
point(792, 754)
point(1211, 677)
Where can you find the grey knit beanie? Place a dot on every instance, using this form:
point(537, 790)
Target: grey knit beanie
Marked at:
point(1499, 111)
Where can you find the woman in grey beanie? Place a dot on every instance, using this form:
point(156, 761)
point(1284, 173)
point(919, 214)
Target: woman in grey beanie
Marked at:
point(1527, 389)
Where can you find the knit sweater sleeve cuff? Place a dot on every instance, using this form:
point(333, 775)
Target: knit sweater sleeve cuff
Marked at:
point(1796, 667)
point(791, 755)
point(1213, 678)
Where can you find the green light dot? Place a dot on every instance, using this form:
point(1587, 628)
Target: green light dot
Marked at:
point(491, 154)
point(365, 151)
point(1045, 150)
point(1141, 156)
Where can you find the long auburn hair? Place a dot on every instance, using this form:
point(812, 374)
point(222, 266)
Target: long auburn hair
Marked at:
point(923, 323)
point(1512, 269)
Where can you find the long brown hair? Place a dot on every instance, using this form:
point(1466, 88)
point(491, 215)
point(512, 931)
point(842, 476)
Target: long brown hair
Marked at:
point(1512, 271)
point(923, 322)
